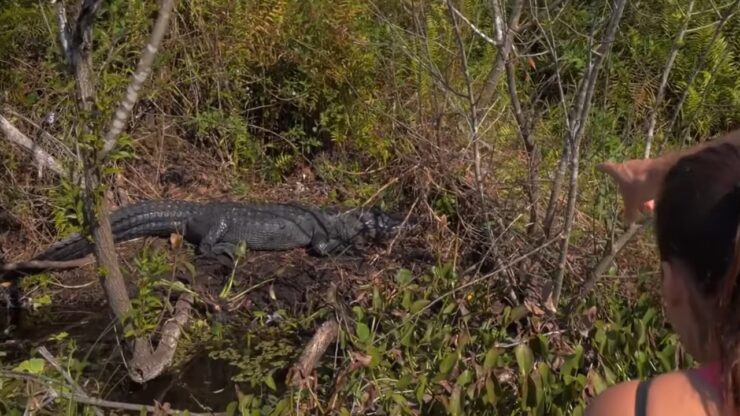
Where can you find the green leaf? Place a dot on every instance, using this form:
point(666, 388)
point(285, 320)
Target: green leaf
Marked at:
point(490, 392)
point(33, 366)
point(597, 381)
point(448, 362)
point(403, 276)
point(419, 305)
point(270, 382)
point(465, 378)
point(231, 408)
point(363, 332)
point(491, 359)
point(524, 358)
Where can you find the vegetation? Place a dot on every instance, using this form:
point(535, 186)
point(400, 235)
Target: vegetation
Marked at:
point(388, 102)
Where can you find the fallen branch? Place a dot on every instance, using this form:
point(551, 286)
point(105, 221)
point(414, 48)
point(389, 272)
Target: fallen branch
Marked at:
point(40, 156)
point(77, 389)
point(84, 399)
point(147, 367)
point(47, 264)
point(309, 359)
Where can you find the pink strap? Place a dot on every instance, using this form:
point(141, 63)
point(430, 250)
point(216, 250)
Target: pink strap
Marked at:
point(711, 374)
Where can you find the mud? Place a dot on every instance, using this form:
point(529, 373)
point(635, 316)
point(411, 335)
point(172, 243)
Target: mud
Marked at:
point(292, 281)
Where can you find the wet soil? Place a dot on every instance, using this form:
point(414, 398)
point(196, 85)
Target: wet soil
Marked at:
point(292, 281)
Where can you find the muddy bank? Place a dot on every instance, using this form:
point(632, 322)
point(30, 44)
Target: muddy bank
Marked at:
point(290, 286)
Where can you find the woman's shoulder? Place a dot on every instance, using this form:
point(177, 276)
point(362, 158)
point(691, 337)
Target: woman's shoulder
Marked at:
point(677, 393)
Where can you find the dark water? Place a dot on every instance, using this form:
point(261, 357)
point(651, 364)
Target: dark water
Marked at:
point(201, 384)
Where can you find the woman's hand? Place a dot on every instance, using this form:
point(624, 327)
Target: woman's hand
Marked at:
point(639, 183)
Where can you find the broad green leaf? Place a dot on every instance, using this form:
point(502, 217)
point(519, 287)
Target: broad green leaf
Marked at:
point(270, 382)
point(363, 332)
point(403, 276)
point(491, 359)
point(448, 362)
point(33, 366)
point(524, 358)
point(465, 378)
point(419, 305)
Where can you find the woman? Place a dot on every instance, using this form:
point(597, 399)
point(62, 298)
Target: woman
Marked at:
point(697, 218)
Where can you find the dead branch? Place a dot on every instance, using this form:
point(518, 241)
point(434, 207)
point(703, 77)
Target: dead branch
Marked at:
point(557, 182)
point(677, 42)
point(635, 227)
point(579, 119)
point(40, 156)
point(63, 32)
point(149, 367)
point(607, 260)
point(46, 264)
point(311, 355)
point(145, 364)
point(75, 387)
point(142, 72)
point(504, 42)
point(84, 399)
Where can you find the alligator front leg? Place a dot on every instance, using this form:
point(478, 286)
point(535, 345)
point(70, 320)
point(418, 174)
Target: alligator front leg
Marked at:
point(325, 246)
point(213, 237)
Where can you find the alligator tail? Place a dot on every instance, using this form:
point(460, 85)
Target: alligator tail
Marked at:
point(158, 218)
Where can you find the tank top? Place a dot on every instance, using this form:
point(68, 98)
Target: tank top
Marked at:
point(710, 373)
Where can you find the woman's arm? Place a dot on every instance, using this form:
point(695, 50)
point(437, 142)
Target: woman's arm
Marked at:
point(639, 180)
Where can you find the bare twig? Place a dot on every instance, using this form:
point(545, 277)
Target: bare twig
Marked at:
point(77, 389)
point(607, 260)
point(504, 42)
point(142, 72)
point(575, 133)
point(635, 227)
point(562, 168)
point(40, 156)
point(63, 32)
point(84, 399)
point(145, 363)
point(46, 264)
point(312, 353)
point(677, 42)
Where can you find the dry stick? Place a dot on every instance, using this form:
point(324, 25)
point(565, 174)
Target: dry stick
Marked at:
point(315, 349)
point(111, 278)
point(677, 42)
point(625, 238)
point(152, 365)
point(63, 32)
point(144, 365)
point(504, 42)
point(47, 264)
point(84, 399)
point(580, 117)
point(700, 63)
point(557, 182)
point(77, 389)
point(40, 156)
point(142, 72)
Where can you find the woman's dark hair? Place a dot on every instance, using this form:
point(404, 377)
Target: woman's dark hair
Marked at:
point(697, 217)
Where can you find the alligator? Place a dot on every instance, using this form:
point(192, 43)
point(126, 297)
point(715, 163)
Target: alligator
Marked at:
point(216, 228)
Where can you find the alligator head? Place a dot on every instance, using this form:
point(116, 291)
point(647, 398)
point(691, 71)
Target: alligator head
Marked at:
point(376, 225)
